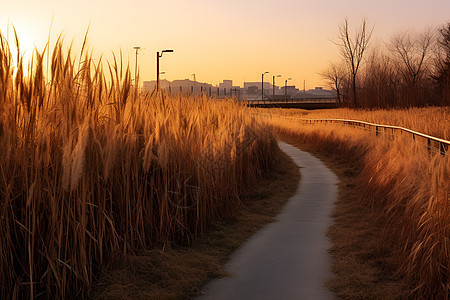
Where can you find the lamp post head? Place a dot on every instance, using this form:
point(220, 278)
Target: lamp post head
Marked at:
point(162, 52)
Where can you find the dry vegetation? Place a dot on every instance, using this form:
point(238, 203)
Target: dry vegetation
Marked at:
point(90, 168)
point(434, 121)
point(411, 69)
point(402, 182)
point(180, 272)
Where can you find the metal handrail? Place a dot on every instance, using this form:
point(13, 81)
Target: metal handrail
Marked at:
point(443, 145)
point(294, 100)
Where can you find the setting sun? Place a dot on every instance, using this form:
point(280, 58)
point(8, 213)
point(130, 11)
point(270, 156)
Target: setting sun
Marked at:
point(240, 149)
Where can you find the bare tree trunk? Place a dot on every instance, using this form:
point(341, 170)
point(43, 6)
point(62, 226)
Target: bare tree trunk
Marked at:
point(353, 49)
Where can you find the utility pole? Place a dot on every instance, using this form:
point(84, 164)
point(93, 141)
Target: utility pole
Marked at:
point(285, 88)
point(157, 70)
point(135, 67)
point(273, 84)
point(158, 56)
point(262, 85)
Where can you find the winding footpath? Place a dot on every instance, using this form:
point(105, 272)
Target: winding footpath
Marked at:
point(287, 259)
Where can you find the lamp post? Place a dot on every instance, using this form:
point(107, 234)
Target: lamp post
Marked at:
point(273, 84)
point(157, 65)
point(262, 85)
point(285, 88)
point(135, 67)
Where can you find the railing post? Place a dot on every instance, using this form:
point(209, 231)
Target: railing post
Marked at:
point(442, 148)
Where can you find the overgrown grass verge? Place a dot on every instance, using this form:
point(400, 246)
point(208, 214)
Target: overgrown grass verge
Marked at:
point(406, 191)
point(172, 271)
point(362, 264)
point(90, 168)
point(434, 120)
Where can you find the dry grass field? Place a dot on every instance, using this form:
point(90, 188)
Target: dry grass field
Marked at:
point(403, 183)
point(434, 121)
point(91, 168)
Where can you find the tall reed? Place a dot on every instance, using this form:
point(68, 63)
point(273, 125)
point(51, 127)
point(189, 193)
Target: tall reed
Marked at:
point(90, 167)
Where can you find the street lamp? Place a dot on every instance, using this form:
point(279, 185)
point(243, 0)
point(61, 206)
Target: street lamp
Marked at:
point(273, 84)
point(157, 65)
point(135, 67)
point(285, 88)
point(262, 85)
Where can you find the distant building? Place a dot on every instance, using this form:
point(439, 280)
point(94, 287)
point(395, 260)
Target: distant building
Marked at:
point(226, 84)
point(250, 91)
point(289, 90)
point(184, 86)
point(253, 90)
point(267, 85)
point(316, 93)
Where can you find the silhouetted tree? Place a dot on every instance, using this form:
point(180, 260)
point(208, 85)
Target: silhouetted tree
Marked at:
point(353, 49)
point(335, 76)
point(378, 81)
point(442, 64)
point(412, 53)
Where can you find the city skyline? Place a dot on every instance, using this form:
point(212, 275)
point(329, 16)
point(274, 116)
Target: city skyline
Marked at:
point(249, 90)
point(212, 39)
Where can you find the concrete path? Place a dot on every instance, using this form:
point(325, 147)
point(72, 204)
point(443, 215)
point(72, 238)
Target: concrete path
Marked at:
point(287, 259)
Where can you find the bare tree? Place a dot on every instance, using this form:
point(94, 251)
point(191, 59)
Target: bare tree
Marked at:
point(378, 80)
point(353, 49)
point(441, 73)
point(334, 76)
point(413, 52)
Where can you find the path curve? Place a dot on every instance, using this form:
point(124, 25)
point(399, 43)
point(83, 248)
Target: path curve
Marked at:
point(287, 259)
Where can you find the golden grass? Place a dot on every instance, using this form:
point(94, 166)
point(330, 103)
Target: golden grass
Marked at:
point(408, 186)
point(180, 272)
point(363, 266)
point(90, 168)
point(434, 121)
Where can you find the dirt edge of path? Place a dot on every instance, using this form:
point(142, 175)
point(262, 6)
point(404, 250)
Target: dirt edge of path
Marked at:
point(179, 272)
point(363, 267)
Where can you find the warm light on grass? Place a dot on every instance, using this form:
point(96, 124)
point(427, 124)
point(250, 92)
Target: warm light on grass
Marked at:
point(407, 185)
point(90, 168)
point(434, 121)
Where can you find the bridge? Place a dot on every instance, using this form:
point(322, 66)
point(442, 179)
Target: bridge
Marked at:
point(303, 103)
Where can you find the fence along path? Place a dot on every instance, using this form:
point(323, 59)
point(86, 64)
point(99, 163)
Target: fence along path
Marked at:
point(432, 143)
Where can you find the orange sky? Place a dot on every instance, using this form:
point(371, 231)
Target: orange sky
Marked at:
point(233, 39)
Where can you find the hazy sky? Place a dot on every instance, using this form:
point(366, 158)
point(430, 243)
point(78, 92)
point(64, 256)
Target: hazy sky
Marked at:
point(233, 39)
